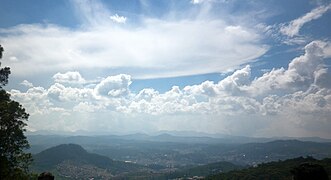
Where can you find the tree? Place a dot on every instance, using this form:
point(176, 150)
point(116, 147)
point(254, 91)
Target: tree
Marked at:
point(14, 161)
point(307, 171)
point(4, 72)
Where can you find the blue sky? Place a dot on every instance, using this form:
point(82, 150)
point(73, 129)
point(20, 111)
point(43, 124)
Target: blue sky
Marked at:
point(243, 68)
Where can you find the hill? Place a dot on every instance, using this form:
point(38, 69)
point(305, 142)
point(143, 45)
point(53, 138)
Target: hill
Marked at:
point(274, 170)
point(71, 160)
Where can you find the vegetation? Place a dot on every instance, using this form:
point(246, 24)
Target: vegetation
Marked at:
point(14, 161)
point(71, 160)
point(276, 170)
point(202, 171)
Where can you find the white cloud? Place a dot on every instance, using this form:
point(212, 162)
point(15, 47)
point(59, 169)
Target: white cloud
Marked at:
point(293, 28)
point(146, 94)
point(298, 97)
point(27, 83)
point(302, 72)
point(118, 19)
point(152, 48)
point(203, 1)
point(34, 99)
point(115, 86)
point(87, 107)
point(232, 83)
point(69, 77)
point(159, 49)
point(197, 1)
point(61, 93)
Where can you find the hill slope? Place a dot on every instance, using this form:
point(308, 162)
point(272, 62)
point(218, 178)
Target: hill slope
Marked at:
point(72, 160)
point(274, 170)
point(203, 170)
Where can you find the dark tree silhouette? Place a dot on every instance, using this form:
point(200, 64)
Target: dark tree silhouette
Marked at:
point(14, 161)
point(4, 72)
point(308, 171)
point(1, 50)
point(46, 176)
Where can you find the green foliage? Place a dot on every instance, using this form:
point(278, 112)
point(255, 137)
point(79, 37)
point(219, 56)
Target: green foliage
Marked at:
point(1, 50)
point(202, 170)
point(4, 72)
point(308, 171)
point(273, 170)
point(14, 161)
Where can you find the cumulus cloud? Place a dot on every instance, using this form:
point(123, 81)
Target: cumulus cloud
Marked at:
point(301, 73)
point(292, 29)
point(115, 86)
point(234, 82)
point(60, 92)
point(69, 77)
point(147, 94)
point(27, 83)
point(34, 99)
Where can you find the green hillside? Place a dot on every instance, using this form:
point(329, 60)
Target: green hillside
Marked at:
point(273, 170)
point(203, 170)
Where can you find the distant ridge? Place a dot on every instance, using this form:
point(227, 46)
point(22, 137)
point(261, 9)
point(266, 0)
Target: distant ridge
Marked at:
point(175, 135)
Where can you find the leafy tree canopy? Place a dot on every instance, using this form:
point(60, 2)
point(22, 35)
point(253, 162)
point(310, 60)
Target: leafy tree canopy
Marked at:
point(14, 161)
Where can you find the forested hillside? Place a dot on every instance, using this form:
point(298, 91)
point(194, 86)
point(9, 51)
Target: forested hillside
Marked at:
point(284, 170)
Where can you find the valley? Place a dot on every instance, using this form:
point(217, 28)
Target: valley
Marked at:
point(162, 157)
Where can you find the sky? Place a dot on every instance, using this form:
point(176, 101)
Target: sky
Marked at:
point(249, 68)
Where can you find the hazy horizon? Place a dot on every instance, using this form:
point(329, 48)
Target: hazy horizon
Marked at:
point(255, 69)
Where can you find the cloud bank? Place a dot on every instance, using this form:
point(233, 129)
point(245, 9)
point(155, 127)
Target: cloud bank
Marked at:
point(293, 101)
